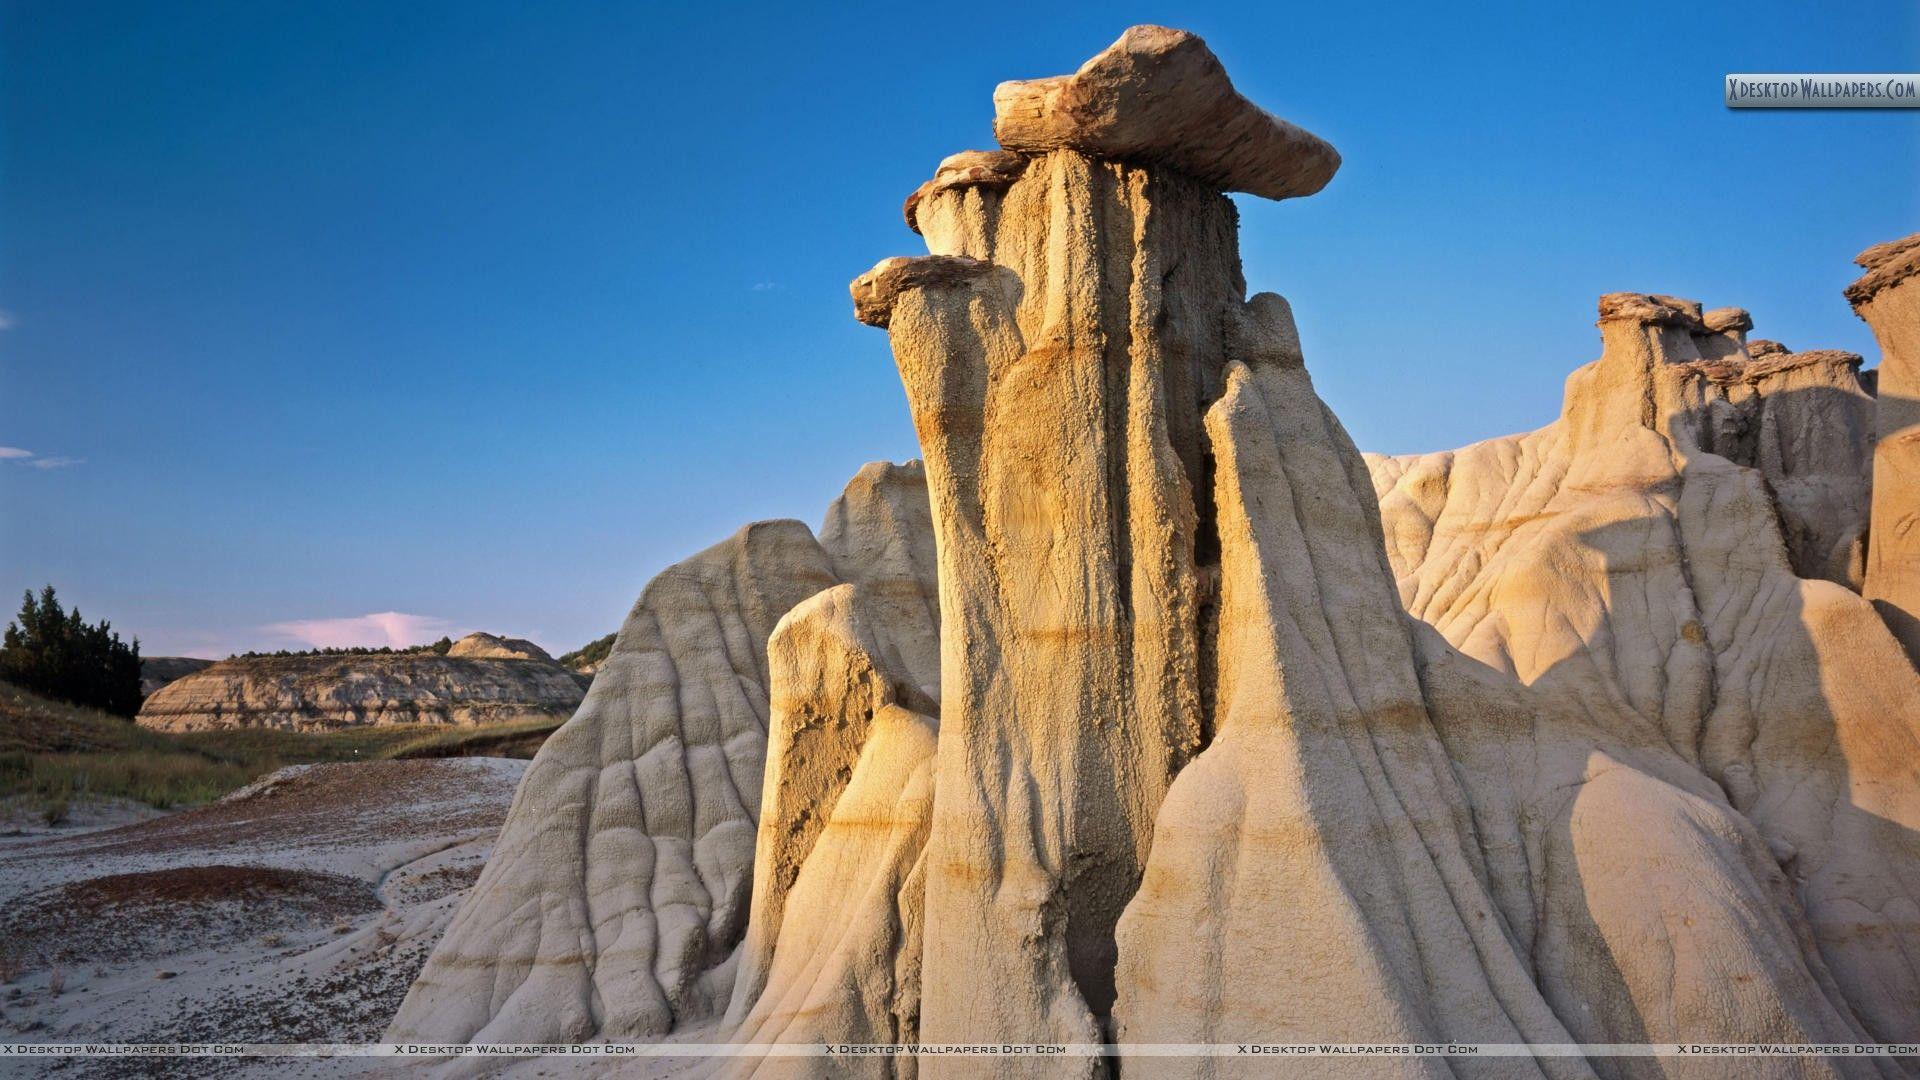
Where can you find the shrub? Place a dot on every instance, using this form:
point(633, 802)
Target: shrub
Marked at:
point(58, 654)
point(439, 648)
point(591, 653)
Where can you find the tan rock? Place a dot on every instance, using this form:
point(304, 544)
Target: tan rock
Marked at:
point(839, 875)
point(482, 644)
point(618, 893)
point(1887, 296)
point(875, 291)
point(1359, 850)
point(1728, 320)
point(321, 692)
point(1632, 562)
point(1159, 96)
point(1069, 592)
point(1886, 265)
point(991, 170)
point(1804, 420)
point(1240, 735)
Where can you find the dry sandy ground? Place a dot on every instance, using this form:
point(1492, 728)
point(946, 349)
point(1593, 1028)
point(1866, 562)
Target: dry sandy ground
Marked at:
point(296, 910)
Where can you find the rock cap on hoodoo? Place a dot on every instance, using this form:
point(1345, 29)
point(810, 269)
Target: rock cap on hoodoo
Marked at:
point(1160, 95)
point(1654, 308)
point(975, 168)
point(1728, 320)
point(1885, 264)
point(875, 291)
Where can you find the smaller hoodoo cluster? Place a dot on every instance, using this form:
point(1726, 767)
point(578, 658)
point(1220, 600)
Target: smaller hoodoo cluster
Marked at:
point(1149, 711)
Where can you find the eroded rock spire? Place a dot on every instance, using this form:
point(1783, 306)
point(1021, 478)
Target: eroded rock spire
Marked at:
point(1887, 296)
point(1058, 347)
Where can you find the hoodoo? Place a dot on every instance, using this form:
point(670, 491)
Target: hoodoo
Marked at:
point(1887, 296)
point(1149, 711)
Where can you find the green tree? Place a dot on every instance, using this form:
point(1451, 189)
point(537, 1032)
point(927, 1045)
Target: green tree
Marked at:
point(591, 653)
point(56, 653)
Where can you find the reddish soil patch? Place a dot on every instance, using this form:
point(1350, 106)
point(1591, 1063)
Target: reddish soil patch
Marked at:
point(125, 916)
point(193, 883)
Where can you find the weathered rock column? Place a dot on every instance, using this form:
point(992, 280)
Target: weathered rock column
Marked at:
point(1887, 296)
point(1058, 349)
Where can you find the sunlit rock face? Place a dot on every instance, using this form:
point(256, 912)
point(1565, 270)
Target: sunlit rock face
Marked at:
point(1151, 711)
point(1631, 567)
point(1887, 296)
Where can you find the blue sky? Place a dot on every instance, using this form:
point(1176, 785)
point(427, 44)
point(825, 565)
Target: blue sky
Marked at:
point(476, 315)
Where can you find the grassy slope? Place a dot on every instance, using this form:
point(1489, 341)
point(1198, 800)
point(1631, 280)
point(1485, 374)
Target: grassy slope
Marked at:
point(51, 752)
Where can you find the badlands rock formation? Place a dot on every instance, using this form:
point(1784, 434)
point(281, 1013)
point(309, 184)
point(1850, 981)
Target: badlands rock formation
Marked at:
point(1888, 298)
point(1630, 566)
point(618, 894)
point(483, 645)
point(317, 692)
point(1218, 730)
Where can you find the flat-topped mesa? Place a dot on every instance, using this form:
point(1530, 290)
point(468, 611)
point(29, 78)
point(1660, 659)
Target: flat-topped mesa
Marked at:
point(1887, 296)
point(1160, 96)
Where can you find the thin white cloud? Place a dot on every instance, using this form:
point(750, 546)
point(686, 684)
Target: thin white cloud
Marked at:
point(766, 286)
point(393, 629)
point(38, 461)
point(7, 320)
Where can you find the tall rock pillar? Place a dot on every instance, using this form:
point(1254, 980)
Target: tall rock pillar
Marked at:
point(1058, 348)
point(1888, 298)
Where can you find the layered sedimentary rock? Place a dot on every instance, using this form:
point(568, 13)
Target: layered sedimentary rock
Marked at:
point(494, 647)
point(620, 886)
point(1887, 296)
point(1227, 732)
point(318, 692)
